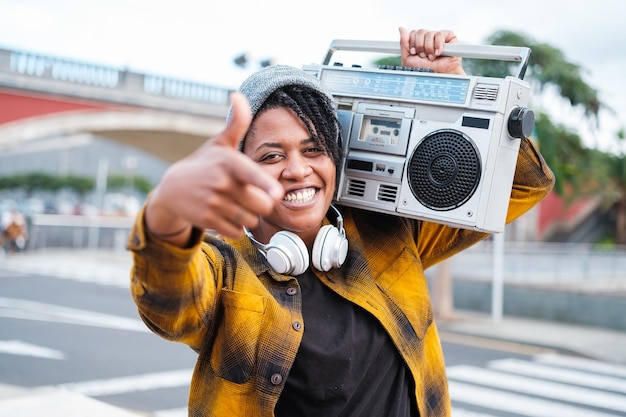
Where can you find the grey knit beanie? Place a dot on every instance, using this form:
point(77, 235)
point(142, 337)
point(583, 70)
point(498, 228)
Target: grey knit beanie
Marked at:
point(260, 85)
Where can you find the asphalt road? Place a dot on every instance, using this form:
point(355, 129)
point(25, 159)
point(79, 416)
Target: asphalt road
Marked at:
point(76, 327)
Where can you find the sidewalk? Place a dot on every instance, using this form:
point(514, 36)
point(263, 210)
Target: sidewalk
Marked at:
point(592, 342)
point(596, 343)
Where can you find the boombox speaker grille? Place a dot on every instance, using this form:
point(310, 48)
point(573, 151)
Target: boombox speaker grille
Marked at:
point(444, 170)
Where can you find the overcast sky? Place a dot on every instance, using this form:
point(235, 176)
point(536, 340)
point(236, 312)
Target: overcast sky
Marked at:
point(197, 40)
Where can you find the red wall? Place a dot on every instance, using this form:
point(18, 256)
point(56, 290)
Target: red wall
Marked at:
point(22, 105)
point(554, 210)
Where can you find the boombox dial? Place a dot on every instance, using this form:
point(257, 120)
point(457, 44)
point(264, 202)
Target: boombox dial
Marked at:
point(444, 170)
point(521, 122)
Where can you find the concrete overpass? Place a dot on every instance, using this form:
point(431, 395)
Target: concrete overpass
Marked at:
point(45, 96)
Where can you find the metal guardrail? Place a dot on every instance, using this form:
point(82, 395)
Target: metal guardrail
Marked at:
point(528, 263)
point(44, 67)
point(78, 232)
point(541, 263)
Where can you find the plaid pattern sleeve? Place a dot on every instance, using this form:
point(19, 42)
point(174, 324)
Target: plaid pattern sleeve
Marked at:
point(165, 280)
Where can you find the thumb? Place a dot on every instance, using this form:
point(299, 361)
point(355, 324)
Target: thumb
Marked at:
point(403, 32)
point(404, 42)
point(239, 123)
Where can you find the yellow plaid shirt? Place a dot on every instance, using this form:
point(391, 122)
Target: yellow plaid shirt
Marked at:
point(245, 321)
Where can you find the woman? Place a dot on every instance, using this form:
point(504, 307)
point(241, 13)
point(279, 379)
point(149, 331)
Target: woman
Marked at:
point(350, 335)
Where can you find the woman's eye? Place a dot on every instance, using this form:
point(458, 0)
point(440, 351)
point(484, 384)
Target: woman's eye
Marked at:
point(270, 157)
point(314, 149)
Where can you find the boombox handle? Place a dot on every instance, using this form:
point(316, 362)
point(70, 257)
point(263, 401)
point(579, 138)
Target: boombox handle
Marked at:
point(493, 52)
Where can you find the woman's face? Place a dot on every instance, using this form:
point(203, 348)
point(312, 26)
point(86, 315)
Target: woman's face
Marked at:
point(281, 144)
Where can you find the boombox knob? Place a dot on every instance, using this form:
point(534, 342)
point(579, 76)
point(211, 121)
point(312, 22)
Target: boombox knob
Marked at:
point(521, 122)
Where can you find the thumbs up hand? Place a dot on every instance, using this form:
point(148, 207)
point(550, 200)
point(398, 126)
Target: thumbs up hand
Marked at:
point(216, 187)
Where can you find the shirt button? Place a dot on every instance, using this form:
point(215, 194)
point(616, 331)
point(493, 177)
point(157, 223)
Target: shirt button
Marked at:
point(292, 291)
point(276, 379)
point(297, 325)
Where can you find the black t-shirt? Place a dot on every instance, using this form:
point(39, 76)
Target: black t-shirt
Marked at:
point(346, 365)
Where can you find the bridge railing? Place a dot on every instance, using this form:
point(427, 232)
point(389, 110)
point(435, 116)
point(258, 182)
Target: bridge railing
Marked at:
point(45, 67)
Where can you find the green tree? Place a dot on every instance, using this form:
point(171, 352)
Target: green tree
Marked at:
point(38, 181)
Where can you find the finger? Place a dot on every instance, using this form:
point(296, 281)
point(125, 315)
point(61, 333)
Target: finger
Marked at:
point(442, 37)
point(248, 175)
point(231, 230)
point(417, 42)
point(254, 200)
point(240, 204)
point(235, 219)
point(405, 47)
point(239, 122)
point(429, 45)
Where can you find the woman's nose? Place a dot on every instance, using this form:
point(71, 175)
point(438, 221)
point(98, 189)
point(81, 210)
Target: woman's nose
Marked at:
point(296, 167)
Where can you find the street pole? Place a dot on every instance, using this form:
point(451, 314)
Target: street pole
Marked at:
point(100, 191)
point(498, 277)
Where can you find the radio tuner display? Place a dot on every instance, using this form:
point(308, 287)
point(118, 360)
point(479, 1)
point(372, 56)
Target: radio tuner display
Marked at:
point(398, 86)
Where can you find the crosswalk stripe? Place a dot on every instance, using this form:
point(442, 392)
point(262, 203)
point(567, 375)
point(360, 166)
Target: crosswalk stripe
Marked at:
point(526, 385)
point(460, 412)
point(557, 374)
point(514, 403)
point(129, 384)
point(176, 412)
point(582, 364)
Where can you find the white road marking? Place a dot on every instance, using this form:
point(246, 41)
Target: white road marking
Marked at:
point(562, 375)
point(583, 364)
point(460, 412)
point(33, 310)
point(17, 347)
point(128, 384)
point(536, 387)
point(514, 403)
point(59, 404)
point(175, 412)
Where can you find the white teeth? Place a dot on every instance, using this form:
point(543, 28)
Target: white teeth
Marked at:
point(300, 197)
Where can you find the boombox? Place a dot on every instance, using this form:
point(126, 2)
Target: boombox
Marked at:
point(429, 146)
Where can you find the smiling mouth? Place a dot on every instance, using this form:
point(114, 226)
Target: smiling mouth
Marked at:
point(300, 196)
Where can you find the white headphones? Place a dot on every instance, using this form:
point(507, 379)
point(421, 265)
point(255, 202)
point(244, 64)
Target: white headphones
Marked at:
point(287, 254)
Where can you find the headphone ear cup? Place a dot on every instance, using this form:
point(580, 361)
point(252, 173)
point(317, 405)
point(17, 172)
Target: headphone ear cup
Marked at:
point(330, 249)
point(287, 254)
